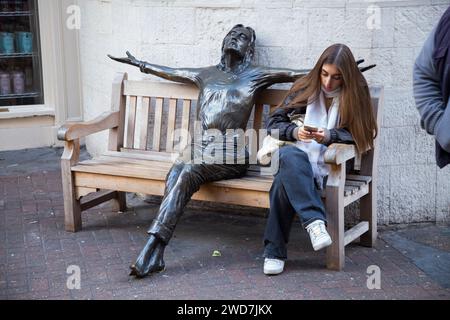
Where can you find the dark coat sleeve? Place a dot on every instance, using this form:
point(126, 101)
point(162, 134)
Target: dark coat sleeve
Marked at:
point(341, 135)
point(280, 126)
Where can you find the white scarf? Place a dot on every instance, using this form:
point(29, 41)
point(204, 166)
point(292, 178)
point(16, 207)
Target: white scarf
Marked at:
point(317, 116)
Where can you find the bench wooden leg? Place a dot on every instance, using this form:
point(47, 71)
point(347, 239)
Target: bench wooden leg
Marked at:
point(72, 206)
point(368, 213)
point(334, 206)
point(336, 252)
point(120, 203)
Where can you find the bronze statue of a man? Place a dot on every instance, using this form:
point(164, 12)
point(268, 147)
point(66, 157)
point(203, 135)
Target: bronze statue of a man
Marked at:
point(227, 95)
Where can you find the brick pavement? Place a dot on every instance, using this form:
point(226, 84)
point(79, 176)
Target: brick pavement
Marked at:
point(35, 251)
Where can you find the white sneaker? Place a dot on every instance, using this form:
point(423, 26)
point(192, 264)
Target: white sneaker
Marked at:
point(273, 266)
point(319, 235)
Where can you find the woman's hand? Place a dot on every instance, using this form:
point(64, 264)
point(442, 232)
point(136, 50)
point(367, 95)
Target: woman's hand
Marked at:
point(308, 136)
point(319, 135)
point(304, 135)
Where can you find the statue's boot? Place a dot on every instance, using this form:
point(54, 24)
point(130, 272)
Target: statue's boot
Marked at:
point(150, 260)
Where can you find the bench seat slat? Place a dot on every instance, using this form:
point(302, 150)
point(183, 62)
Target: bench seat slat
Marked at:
point(354, 183)
point(357, 194)
point(365, 179)
point(349, 190)
point(122, 171)
point(147, 155)
point(157, 170)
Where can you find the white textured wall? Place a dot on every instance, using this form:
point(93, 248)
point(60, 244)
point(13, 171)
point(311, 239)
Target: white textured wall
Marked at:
point(290, 33)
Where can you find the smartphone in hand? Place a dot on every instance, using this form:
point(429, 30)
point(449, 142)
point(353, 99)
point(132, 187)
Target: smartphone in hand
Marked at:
point(310, 128)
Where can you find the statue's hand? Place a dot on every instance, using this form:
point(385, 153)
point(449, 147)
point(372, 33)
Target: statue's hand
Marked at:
point(363, 69)
point(130, 59)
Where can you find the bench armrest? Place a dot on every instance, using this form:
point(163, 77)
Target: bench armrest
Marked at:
point(338, 153)
point(77, 130)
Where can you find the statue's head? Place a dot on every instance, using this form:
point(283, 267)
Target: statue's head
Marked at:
point(241, 41)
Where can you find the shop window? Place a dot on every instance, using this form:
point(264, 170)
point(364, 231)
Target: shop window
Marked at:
point(20, 54)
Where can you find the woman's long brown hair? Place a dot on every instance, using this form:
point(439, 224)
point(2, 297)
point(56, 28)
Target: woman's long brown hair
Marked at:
point(355, 108)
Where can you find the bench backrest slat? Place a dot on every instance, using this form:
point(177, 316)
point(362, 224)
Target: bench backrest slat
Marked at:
point(160, 89)
point(143, 121)
point(118, 103)
point(158, 124)
point(271, 97)
point(185, 121)
point(131, 121)
point(171, 122)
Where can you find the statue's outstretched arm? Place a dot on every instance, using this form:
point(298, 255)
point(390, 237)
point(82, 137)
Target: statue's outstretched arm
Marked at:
point(364, 69)
point(279, 75)
point(184, 75)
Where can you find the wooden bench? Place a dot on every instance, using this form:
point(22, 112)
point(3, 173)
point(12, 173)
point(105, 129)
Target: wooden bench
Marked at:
point(138, 159)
